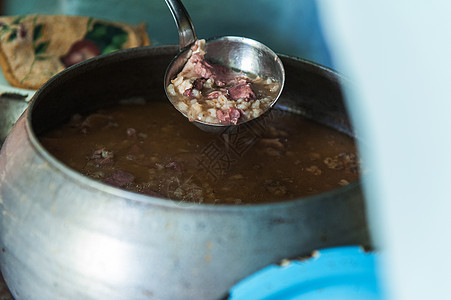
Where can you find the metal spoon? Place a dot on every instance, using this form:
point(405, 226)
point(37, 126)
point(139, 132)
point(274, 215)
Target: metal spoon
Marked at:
point(238, 53)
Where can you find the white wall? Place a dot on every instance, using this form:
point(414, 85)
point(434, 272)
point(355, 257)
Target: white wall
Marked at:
point(398, 55)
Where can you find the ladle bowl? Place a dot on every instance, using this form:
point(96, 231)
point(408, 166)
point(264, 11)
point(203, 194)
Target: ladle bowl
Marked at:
point(238, 53)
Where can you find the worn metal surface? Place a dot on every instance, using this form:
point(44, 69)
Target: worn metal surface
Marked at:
point(11, 107)
point(65, 236)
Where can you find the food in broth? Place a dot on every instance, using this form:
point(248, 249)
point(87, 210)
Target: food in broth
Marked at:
point(215, 94)
point(149, 148)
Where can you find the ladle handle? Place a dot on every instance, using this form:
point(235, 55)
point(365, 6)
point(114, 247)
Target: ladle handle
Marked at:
point(187, 35)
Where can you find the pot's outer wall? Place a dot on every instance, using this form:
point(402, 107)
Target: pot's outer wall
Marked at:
point(10, 110)
point(64, 236)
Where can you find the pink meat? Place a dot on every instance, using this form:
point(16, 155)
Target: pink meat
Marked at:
point(222, 116)
point(198, 84)
point(189, 93)
point(241, 90)
point(235, 115)
point(221, 74)
point(228, 117)
point(201, 66)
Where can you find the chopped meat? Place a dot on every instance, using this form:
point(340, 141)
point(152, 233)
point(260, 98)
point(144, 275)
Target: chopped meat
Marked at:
point(231, 116)
point(202, 87)
point(241, 90)
point(198, 84)
point(222, 117)
point(189, 93)
point(102, 153)
point(222, 75)
point(234, 114)
point(119, 179)
point(102, 157)
point(201, 66)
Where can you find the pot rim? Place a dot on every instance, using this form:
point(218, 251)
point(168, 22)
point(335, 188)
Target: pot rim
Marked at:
point(150, 200)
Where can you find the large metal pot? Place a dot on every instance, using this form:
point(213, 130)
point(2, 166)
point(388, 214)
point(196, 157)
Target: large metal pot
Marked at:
point(65, 236)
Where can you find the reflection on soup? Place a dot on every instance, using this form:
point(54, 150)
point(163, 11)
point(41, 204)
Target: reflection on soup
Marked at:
point(150, 148)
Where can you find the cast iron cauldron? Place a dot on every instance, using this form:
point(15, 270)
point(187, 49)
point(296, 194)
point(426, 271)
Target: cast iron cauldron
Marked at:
point(65, 236)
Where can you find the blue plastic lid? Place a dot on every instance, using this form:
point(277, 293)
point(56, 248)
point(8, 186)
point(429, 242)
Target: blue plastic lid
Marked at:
point(334, 273)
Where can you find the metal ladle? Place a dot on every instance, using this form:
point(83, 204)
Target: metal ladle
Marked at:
point(238, 53)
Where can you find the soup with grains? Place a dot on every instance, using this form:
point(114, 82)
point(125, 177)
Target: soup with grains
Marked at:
point(215, 94)
point(151, 149)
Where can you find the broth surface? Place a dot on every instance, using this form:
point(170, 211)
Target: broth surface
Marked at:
point(151, 149)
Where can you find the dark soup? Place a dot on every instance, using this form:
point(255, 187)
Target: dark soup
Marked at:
point(150, 148)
